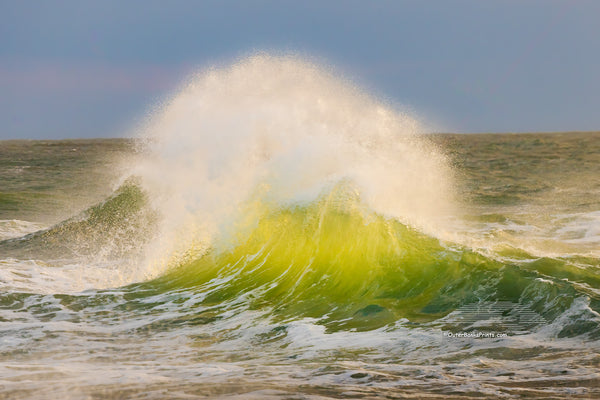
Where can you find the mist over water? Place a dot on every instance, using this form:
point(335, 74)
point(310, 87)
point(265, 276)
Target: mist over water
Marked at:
point(273, 231)
point(279, 131)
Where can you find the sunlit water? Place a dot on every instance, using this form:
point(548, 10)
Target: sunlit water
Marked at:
point(273, 232)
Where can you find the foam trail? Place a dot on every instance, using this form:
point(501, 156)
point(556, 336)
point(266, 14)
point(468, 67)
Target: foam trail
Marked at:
point(281, 130)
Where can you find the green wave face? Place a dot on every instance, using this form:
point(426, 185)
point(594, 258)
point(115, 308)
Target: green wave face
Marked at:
point(332, 260)
point(114, 229)
point(353, 269)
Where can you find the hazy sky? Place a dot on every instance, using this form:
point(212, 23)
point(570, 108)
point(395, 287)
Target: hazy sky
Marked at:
point(91, 69)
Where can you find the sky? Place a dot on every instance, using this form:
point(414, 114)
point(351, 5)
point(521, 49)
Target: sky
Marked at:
point(72, 69)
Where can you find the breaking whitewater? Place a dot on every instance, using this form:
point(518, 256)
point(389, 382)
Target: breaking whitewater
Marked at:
point(272, 231)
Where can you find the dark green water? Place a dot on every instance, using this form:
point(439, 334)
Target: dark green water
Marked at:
point(314, 299)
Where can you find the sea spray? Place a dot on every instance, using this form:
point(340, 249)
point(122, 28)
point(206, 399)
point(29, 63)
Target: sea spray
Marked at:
point(300, 293)
point(278, 131)
point(235, 145)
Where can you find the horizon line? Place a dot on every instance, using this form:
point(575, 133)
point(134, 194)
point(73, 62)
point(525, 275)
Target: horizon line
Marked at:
point(423, 133)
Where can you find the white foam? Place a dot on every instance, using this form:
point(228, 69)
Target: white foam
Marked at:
point(35, 276)
point(535, 231)
point(13, 228)
point(579, 228)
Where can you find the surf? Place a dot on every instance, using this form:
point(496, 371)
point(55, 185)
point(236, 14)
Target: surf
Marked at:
point(273, 223)
point(268, 131)
point(275, 182)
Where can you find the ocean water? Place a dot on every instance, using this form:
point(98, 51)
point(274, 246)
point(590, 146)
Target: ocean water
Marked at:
point(272, 231)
